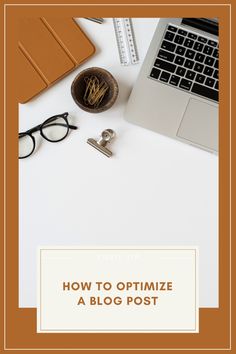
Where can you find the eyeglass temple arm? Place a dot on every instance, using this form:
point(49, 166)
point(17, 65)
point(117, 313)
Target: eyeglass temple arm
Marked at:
point(35, 129)
point(62, 125)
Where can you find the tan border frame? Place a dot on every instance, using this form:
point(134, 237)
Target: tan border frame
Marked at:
point(5, 168)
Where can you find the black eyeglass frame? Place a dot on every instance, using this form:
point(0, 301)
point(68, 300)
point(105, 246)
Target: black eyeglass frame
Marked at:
point(40, 129)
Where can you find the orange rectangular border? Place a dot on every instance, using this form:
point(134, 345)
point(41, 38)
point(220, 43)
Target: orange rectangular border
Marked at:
point(20, 325)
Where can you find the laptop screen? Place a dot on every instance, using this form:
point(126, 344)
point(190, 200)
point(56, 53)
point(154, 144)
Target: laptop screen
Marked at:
point(209, 25)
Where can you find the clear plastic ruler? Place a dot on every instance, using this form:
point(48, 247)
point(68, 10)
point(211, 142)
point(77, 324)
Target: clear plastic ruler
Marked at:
point(126, 41)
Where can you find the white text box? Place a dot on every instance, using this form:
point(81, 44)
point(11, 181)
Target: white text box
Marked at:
point(118, 290)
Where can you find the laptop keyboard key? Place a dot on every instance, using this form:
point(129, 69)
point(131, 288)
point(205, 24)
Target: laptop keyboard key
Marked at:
point(164, 76)
point(198, 46)
point(205, 91)
point(192, 35)
point(174, 80)
point(216, 64)
point(199, 57)
point(180, 50)
point(188, 64)
point(212, 43)
point(155, 73)
point(179, 39)
point(169, 36)
point(217, 85)
point(190, 54)
point(182, 32)
point(216, 74)
point(202, 39)
point(209, 82)
point(172, 28)
point(200, 78)
point(198, 67)
point(190, 75)
point(188, 43)
point(179, 60)
point(209, 61)
point(180, 71)
point(208, 50)
point(166, 55)
point(168, 46)
point(216, 53)
point(165, 65)
point(185, 84)
point(208, 71)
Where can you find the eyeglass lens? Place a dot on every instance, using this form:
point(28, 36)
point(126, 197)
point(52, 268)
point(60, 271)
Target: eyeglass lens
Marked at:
point(52, 130)
point(26, 145)
point(56, 130)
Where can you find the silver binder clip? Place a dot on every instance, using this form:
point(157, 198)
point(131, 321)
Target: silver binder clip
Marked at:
point(106, 137)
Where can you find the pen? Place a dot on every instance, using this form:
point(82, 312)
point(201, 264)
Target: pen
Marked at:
point(97, 20)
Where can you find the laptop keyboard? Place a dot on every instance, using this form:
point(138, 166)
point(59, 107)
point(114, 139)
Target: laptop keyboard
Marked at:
point(189, 62)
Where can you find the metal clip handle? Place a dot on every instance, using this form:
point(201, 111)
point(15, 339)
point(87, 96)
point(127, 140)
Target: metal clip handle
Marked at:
point(106, 137)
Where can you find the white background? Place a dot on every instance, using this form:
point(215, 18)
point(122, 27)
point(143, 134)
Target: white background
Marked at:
point(174, 311)
point(154, 191)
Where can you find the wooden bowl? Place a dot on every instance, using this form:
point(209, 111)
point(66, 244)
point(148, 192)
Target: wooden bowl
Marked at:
point(78, 89)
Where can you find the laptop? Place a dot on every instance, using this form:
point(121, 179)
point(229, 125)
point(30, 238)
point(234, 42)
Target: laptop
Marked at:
point(177, 90)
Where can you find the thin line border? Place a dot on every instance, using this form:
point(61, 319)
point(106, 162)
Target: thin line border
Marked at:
point(230, 179)
point(76, 248)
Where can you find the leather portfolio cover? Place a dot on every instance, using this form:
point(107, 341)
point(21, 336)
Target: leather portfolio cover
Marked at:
point(48, 49)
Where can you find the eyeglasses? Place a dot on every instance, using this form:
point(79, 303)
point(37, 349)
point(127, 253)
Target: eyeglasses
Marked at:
point(54, 129)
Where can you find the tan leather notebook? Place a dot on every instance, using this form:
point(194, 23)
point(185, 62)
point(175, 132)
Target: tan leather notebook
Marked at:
point(48, 49)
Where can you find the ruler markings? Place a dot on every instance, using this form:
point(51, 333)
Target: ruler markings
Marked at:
point(126, 43)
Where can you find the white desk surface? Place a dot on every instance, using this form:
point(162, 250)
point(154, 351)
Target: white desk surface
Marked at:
point(154, 191)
